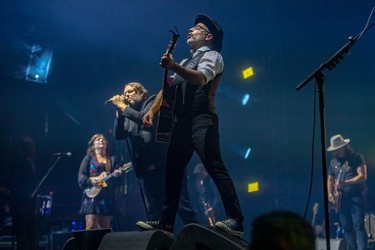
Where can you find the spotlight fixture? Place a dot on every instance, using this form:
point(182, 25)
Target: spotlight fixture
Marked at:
point(39, 64)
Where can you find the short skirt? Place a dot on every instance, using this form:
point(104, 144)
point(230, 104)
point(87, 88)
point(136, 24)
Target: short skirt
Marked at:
point(96, 205)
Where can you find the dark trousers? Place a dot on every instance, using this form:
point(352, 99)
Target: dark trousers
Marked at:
point(185, 210)
point(200, 135)
point(154, 186)
point(153, 182)
point(352, 217)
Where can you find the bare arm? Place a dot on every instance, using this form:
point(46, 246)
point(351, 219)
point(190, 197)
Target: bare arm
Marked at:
point(83, 173)
point(330, 187)
point(149, 116)
point(361, 177)
point(193, 76)
point(157, 103)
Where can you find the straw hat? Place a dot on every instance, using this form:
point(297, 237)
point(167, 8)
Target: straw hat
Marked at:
point(337, 141)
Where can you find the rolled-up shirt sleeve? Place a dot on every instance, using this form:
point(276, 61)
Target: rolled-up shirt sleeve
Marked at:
point(211, 64)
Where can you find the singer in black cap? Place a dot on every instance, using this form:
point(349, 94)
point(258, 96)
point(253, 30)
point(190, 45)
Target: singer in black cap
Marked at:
point(196, 125)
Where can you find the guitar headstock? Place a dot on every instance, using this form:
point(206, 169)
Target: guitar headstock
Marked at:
point(126, 167)
point(173, 41)
point(315, 208)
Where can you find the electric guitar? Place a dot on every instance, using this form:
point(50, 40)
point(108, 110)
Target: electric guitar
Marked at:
point(319, 229)
point(209, 212)
point(93, 191)
point(165, 121)
point(336, 201)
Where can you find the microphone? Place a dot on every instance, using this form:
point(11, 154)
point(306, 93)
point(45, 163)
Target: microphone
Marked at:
point(126, 101)
point(64, 154)
point(109, 100)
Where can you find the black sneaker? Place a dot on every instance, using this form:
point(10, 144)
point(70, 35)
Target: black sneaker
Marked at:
point(154, 225)
point(231, 226)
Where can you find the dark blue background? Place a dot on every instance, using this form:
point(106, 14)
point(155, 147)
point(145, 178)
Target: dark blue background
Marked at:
point(100, 45)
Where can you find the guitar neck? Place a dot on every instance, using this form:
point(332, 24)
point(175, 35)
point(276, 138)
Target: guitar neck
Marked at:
point(107, 177)
point(171, 47)
point(125, 167)
point(313, 220)
point(165, 80)
point(338, 180)
point(165, 116)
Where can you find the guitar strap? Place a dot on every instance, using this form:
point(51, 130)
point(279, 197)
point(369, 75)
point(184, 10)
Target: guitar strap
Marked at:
point(343, 168)
point(190, 63)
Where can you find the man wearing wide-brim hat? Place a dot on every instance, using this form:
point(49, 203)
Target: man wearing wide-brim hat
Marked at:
point(196, 124)
point(347, 190)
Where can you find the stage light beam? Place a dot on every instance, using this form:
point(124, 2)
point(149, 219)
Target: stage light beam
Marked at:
point(39, 64)
point(245, 99)
point(247, 153)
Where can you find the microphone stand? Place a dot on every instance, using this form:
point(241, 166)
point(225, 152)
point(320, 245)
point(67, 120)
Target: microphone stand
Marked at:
point(139, 181)
point(319, 77)
point(369, 236)
point(132, 160)
point(45, 176)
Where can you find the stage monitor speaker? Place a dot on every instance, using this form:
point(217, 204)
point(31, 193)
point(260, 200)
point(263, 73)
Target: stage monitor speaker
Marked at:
point(70, 244)
point(194, 236)
point(336, 244)
point(90, 239)
point(58, 239)
point(134, 240)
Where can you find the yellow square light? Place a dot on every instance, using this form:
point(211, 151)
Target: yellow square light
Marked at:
point(253, 187)
point(246, 73)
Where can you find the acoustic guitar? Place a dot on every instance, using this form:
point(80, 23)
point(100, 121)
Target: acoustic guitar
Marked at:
point(93, 191)
point(165, 120)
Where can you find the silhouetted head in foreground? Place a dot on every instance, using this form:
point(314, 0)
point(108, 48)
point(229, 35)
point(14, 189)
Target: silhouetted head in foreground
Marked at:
point(281, 230)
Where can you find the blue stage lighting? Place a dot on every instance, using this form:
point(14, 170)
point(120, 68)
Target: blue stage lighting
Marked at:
point(234, 94)
point(39, 64)
point(247, 153)
point(245, 99)
point(242, 151)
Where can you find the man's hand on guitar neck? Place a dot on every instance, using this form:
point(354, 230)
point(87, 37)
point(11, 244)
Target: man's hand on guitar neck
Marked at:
point(193, 76)
point(167, 61)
